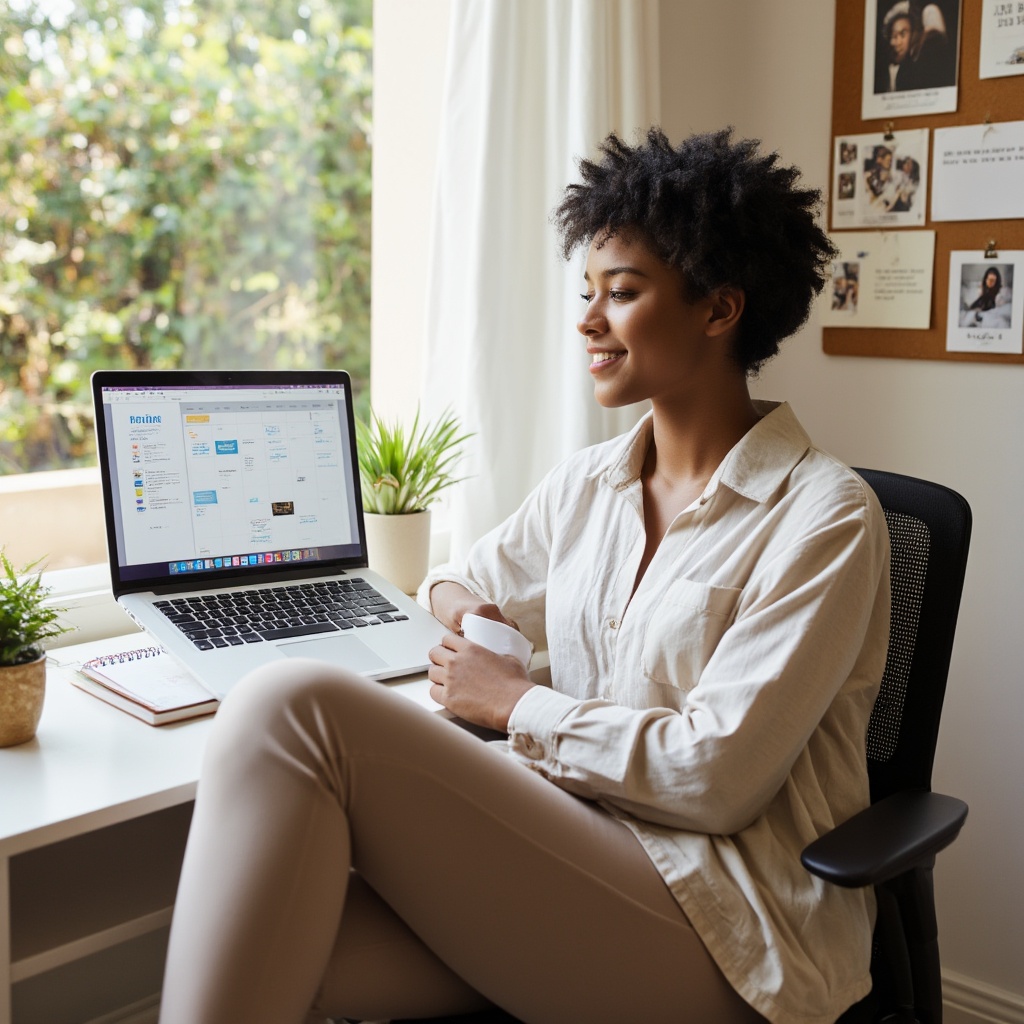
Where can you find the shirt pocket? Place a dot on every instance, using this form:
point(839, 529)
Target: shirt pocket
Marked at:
point(685, 630)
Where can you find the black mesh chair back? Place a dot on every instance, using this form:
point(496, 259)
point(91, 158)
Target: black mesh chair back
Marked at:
point(892, 845)
point(929, 533)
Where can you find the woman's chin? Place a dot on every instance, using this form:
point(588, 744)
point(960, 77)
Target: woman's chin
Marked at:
point(607, 398)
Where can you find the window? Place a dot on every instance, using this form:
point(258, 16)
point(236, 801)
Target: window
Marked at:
point(182, 183)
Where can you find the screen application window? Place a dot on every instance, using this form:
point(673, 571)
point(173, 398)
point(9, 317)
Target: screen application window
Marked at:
point(205, 480)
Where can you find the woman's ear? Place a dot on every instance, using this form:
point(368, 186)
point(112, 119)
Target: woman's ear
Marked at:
point(727, 305)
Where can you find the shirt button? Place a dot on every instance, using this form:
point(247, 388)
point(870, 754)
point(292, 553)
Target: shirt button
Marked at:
point(613, 623)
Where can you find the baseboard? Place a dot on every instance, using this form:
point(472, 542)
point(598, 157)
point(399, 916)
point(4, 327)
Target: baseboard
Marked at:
point(145, 1011)
point(967, 1001)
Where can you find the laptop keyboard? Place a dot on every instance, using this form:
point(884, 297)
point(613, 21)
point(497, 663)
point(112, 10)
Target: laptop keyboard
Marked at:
point(275, 613)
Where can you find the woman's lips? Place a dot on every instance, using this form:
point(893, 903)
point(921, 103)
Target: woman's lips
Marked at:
point(600, 361)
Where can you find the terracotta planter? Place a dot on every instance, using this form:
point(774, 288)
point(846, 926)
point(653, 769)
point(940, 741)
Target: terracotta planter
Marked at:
point(21, 700)
point(399, 547)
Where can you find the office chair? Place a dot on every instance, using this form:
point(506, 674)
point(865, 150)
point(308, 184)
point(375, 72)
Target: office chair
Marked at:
point(892, 844)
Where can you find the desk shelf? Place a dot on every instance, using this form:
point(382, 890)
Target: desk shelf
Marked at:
point(89, 892)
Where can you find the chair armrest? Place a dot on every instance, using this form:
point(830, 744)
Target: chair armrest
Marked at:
point(898, 833)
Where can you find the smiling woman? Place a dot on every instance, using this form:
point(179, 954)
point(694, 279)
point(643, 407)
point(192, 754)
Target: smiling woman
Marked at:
point(712, 591)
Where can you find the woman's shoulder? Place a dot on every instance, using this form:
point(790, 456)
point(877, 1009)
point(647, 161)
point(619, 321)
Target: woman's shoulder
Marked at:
point(825, 481)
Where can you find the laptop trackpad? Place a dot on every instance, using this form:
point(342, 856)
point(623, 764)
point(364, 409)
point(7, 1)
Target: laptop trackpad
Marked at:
point(346, 651)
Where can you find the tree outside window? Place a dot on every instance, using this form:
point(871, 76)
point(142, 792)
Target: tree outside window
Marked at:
point(183, 183)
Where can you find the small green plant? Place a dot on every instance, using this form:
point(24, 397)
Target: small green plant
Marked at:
point(405, 472)
point(25, 619)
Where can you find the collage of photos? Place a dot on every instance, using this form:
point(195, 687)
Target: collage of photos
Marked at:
point(897, 179)
point(880, 180)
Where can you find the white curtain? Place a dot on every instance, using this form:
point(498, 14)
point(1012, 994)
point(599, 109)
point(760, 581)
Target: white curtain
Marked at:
point(531, 86)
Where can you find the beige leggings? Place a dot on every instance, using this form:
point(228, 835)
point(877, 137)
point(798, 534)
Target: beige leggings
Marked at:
point(354, 855)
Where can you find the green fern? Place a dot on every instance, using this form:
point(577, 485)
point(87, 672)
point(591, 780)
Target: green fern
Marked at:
point(405, 472)
point(25, 620)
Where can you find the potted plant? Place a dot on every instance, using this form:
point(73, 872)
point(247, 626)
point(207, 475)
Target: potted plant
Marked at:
point(402, 474)
point(25, 622)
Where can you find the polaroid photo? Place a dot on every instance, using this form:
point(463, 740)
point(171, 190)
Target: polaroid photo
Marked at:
point(986, 302)
point(911, 57)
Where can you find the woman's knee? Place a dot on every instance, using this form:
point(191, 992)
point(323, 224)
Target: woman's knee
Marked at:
point(289, 685)
point(289, 699)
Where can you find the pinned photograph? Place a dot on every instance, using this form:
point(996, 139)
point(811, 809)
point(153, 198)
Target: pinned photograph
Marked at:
point(911, 51)
point(845, 281)
point(985, 307)
point(880, 180)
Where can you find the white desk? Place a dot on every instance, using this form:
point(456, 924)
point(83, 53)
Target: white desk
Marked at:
point(93, 818)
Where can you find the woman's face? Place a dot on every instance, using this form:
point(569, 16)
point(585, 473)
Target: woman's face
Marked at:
point(991, 279)
point(645, 339)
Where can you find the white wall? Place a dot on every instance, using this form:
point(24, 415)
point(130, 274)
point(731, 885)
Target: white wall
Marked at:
point(766, 68)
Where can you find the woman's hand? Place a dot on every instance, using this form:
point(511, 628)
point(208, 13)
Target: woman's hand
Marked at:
point(474, 683)
point(451, 601)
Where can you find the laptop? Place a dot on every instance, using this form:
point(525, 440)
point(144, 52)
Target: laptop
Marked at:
point(235, 527)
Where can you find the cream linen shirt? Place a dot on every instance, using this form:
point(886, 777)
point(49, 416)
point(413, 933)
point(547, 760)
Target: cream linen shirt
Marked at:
point(720, 711)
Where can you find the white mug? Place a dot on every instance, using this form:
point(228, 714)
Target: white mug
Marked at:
point(497, 637)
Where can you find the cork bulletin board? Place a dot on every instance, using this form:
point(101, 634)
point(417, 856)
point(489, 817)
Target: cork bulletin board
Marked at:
point(979, 101)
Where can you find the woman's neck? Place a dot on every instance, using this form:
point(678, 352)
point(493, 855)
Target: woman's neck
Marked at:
point(691, 439)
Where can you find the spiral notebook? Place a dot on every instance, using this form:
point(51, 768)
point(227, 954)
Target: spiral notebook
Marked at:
point(147, 683)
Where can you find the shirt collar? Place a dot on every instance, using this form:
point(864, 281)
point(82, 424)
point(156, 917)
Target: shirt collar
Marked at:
point(754, 467)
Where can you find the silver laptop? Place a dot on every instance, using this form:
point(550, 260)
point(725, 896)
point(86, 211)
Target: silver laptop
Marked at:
point(235, 526)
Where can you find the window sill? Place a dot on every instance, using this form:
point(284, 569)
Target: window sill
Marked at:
point(87, 605)
point(54, 517)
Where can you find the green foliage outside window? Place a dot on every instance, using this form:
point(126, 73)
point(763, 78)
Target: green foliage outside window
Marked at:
point(183, 183)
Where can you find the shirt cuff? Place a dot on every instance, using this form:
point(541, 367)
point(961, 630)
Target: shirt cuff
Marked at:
point(534, 722)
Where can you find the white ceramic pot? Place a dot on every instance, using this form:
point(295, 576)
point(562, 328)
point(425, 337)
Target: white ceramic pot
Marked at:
point(22, 688)
point(399, 547)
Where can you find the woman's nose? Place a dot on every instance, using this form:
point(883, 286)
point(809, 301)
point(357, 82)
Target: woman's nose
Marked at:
point(592, 322)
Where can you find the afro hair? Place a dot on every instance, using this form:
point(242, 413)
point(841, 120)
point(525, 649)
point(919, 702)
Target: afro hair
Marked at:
point(722, 213)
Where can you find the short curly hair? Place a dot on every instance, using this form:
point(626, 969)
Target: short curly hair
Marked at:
point(719, 211)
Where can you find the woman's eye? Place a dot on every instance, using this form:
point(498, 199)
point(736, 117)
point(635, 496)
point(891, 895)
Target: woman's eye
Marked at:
point(586, 298)
point(620, 296)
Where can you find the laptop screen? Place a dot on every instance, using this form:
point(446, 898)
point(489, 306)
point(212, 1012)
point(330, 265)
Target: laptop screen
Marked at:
point(222, 475)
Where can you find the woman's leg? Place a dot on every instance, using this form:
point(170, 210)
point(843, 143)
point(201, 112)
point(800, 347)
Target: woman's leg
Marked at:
point(541, 902)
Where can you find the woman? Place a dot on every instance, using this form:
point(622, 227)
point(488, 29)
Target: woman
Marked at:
point(991, 286)
point(713, 592)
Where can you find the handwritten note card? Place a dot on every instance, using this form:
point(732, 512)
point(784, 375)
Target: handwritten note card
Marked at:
point(881, 279)
point(977, 172)
point(1002, 38)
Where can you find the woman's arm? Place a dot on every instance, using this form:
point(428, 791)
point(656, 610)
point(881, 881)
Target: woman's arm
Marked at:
point(450, 601)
